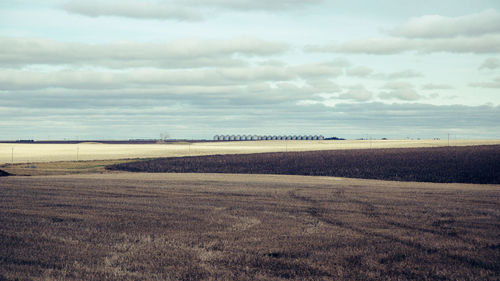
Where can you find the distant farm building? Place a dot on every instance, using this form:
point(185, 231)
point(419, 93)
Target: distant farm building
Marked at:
point(267, 138)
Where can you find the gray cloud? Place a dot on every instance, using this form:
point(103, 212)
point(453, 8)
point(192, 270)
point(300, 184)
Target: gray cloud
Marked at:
point(350, 120)
point(436, 26)
point(175, 54)
point(490, 63)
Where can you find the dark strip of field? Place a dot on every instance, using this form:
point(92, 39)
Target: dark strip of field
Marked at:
point(4, 174)
point(468, 164)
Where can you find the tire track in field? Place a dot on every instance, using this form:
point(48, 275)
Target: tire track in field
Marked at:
point(318, 212)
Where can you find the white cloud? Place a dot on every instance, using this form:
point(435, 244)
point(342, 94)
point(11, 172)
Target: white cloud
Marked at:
point(370, 46)
point(275, 5)
point(174, 54)
point(132, 9)
point(180, 10)
point(408, 73)
point(495, 84)
point(432, 86)
point(400, 91)
point(387, 46)
point(356, 93)
point(401, 94)
point(317, 70)
point(323, 85)
point(151, 78)
point(436, 26)
point(398, 85)
point(476, 33)
point(490, 63)
point(359, 71)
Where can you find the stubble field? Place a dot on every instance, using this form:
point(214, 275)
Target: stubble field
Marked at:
point(134, 226)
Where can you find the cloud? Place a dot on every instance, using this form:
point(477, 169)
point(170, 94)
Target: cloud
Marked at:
point(112, 114)
point(179, 10)
point(486, 44)
point(246, 5)
point(490, 63)
point(83, 79)
point(436, 26)
point(400, 91)
point(359, 71)
point(401, 94)
point(356, 93)
point(432, 86)
point(476, 33)
point(408, 73)
point(495, 84)
point(370, 46)
point(317, 71)
point(132, 9)
point(175, 54)
point(398, 85)
point(322, 85)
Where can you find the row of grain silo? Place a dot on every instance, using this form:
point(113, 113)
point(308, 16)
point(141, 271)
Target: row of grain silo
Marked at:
point(256, 137)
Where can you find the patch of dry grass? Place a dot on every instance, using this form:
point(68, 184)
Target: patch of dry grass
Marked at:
point(60, 168)
point(245, 227)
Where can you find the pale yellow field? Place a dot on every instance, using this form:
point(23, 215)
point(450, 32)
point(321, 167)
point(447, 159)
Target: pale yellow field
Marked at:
point(30, 153)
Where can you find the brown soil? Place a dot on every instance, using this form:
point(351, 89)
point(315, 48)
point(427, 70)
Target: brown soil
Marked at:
point(466, 164)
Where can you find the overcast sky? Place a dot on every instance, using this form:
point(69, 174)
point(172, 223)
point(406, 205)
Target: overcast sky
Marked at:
point(125, 69)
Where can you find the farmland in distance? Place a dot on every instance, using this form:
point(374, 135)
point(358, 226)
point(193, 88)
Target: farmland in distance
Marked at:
point(84, 151)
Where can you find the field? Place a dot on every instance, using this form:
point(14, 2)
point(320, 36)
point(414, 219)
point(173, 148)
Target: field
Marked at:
point(244, 227)
point(76, 220)
point(465, 164)
point(46, 152)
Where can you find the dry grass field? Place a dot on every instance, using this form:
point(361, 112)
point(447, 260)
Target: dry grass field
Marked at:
point(35, 152)
point(133, 226)
point(60, 167)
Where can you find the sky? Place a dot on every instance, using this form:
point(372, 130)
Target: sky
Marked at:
point(192, 69)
